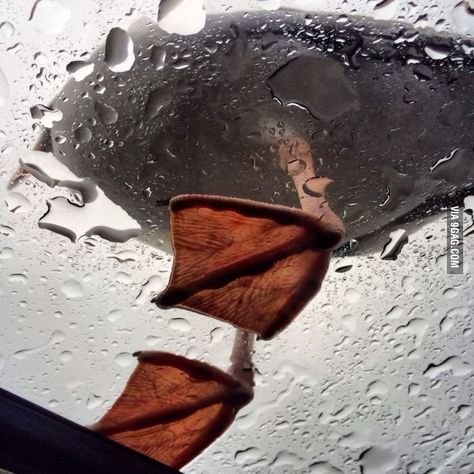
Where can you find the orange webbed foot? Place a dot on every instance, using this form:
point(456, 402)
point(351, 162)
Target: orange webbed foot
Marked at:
point(172, 408)
point(252, 264)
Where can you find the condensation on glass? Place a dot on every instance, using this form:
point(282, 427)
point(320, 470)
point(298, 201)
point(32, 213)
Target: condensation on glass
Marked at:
point(112, 113)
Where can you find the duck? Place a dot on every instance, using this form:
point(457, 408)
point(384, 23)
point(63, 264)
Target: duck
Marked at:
point(254, 150)
point(208, 113)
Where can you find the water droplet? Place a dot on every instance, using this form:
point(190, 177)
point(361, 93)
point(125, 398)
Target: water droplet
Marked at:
point(14, 49)
point(217, 335)
point(7, 30)
point(416, 327)
point(124, 359)
point(355, 440)
point(66, 356)
point(247, 456)
point(422, 72)
point(157, 100)
point(152, 340)
point(414, 389)
point(124, 278)
point(99, 89)
point(100, 217)
point(179, 324)
point(385, 9)
point(392, 249)
point(400, 186)
point(181, 64)
point(464, 411)
point(79, 70)
point(343, 268)
point(436, 52)
point(72, 288)
point(450, 293)
point(18, 278)
point(448, 322)
point(323, 468)
point(316, 186)
point(41, 59)
point(211, 47)
point(158, 57)
point(45, 115)
point(94, 401)
point(409, 284)
point(49, 17)
point(453, 364)
point(125, 256)
point(352, 296)
point(114, 315)
point(378, 459)
point(184, 17)
point(150, 289)
point(119, 54)
point(463, 19)
point(4, 89)
point(83, 134)
point(18, 203)
point(286, 458)
point(55, 338)
point(377, 388)
point(395, 312)
point(106, 113)
point(453, 167)
point(6, 231)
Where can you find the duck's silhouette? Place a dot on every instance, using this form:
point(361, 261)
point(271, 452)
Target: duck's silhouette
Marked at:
point(206, 113)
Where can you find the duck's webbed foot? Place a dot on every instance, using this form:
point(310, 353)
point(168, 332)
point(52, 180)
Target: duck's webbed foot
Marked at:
point(173, 408)
point(252, 264)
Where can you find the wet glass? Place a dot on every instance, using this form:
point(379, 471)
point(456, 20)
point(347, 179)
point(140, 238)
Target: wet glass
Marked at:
point(109, 112)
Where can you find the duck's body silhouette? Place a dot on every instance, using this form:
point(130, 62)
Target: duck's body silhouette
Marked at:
point(198, 114)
